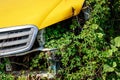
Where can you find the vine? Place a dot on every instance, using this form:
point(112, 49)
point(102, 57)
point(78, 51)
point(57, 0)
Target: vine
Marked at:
point(92, 53)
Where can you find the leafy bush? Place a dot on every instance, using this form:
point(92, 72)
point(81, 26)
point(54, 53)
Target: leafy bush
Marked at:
point(92, 53)
point(4, 76)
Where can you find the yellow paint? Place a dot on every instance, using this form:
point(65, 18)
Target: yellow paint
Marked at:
point(41, 13)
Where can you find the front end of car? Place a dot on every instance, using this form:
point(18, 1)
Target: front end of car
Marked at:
point(22, 21)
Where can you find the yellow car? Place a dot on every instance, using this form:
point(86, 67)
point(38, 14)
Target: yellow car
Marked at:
point(21, 20)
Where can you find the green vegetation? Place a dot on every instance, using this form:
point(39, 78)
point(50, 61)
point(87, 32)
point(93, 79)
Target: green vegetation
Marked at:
point(4, 76)
point(88, 50)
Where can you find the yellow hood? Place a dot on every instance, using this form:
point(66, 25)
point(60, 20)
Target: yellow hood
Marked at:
point(41, 13)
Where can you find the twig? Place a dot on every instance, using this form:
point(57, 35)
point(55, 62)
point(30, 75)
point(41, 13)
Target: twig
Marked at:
point(19, 64)
point(85, 7)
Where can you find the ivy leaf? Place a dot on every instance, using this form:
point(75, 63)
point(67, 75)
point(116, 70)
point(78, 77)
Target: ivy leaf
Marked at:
point(107, 68)
point(100, 35)
point(118, 73)
point(107, 53)
point(114, 64)
point(117, 41)
point(94, 26)
point(113, 48)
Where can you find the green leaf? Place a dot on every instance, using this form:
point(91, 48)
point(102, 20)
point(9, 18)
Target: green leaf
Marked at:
point(100, 35)
point(107, 53)
point(114, 64)
point(118, 73)
point(107, 68)
point(94, 26)
point(117, 41)
point(113, 48)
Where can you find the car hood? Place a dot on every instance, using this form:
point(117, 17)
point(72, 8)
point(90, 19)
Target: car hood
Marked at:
point(41, 13)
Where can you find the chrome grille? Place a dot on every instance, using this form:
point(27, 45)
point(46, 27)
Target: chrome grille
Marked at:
point(17, 39)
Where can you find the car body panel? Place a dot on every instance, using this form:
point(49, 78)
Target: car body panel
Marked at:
point(41, 13)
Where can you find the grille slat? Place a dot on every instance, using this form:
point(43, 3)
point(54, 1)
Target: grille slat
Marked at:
point(20, 34)
point(11, 48)
point(10, 43)
point(17, 39)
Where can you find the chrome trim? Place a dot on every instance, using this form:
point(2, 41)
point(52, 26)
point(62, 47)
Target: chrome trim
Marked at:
point(18, 28)
point(28, 52)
